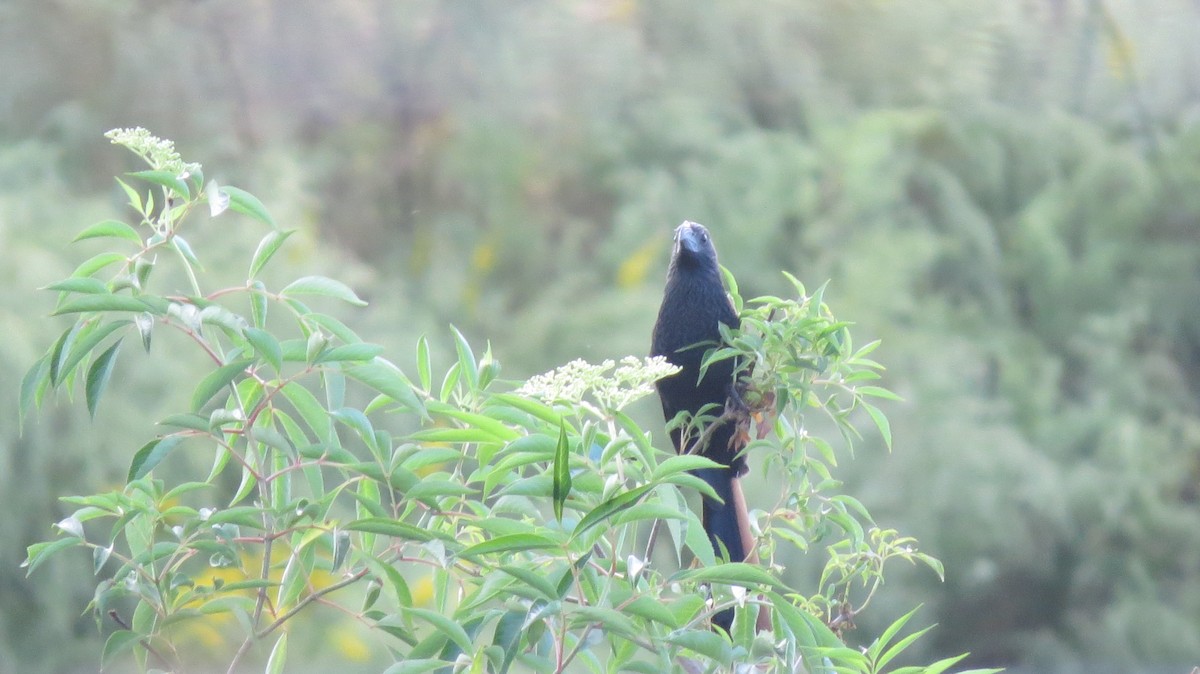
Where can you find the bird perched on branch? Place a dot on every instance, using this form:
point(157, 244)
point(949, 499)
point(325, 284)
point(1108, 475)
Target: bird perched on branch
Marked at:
point(694, 305)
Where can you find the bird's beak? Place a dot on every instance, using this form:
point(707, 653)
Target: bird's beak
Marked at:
point(687, 237)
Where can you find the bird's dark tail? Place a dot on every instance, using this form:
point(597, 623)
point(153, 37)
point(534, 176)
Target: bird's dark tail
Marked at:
point(722, 524)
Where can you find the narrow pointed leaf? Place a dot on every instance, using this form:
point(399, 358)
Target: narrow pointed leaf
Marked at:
point(247, 204)
point(735, 573)
point(509, 543)
point(267, 347)
point(609, 508)
point(267, 249)
point(80, 284)
point(166, 179)
point(150, 455)
point(562, 473)
point(109, 229)
point(278, 655)
point(135, 199)
point(117, 642)
point(98, 376)
point(881, 422)
point(423, 368)
point(390, 381)
point(29, 385)
point(97, 262)
point(88, 303)
point(216, 380)
point(466, 359)
point(390, 527)
point(323, 286)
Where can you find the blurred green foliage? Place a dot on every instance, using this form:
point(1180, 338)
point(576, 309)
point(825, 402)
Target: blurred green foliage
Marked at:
point(1007, 193)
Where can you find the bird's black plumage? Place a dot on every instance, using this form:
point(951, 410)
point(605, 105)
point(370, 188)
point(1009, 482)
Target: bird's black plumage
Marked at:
point(694, 304)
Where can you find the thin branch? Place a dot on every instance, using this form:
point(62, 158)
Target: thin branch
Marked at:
point(310, 599)
point(116, 617)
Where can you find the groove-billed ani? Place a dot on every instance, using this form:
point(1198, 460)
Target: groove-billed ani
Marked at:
point(694, 304)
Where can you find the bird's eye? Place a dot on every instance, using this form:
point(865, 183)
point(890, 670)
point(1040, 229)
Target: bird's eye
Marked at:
point(704, 237)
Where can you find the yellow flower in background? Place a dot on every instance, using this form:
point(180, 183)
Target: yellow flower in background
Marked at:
point(422, 591)
point(636, 267)
point(349, 643)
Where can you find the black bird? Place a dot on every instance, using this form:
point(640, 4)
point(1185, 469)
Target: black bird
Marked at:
point(694, 304)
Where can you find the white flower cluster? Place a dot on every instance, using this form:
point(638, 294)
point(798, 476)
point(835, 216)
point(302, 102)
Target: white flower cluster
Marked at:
point(158, 152)
point(632, 380)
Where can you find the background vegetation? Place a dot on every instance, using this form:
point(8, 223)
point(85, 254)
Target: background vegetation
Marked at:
point(1007, 193)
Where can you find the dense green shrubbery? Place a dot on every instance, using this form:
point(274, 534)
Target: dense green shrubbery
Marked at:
point(526, 511)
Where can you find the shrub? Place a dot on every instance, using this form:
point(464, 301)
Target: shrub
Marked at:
point(467, 523)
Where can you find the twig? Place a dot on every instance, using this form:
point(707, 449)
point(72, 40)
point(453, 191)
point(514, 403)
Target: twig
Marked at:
point(310, 599)
point(116, 617)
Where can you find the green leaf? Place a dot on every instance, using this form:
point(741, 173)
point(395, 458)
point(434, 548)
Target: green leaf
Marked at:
point(652, 609)
point(429, 488)
point(61, 348)
point(446, 626)
point(166, 179)
point(247, 204)
point(80, 284)
point(311, 410)
point(88, 303)
point(109, 229)
point(390, 381)
point(135, 199)
point(510, 543)
point(562, 473)
point(466, 359)
point(33, 379)
point(877, 392)
point(266, 346)
point(85, 344)
point(118, 642)
point(40, 552)
point(885, 638)
point(881, 422)
point(810, 631)
point(186, 420)
point(611, 619)
point(150, 455)
point(360, 352)
point(609, 508)
point(267, 248)
point(509, 630)
point(97, 262)
point(709, 644)
point(258, 303)
point(941, 666)
point(322, 286)
point(535, 579)
point(399, 585)
point(416, 666)
point(532, 407)
point(278, 655)
point(423, 367)
point(899, 647)
point(98, 376)
point(180, 244)
point(734, 573)
point(497, 429)
point(390, 527)
point(217, 380)
point(681, 463)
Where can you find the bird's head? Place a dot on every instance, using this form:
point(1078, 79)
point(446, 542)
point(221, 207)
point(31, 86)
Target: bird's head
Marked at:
point(693, 246)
